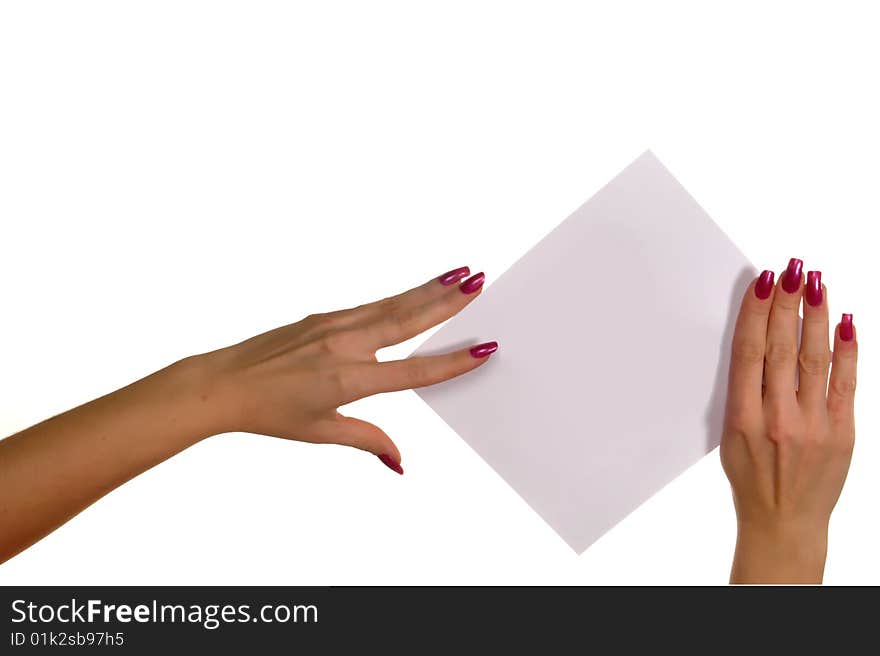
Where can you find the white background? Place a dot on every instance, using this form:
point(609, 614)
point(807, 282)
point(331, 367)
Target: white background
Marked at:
point(177, 176)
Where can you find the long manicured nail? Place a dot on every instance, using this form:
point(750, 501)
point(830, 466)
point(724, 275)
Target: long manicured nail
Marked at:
point(846, 328)
point(473, 283)
point(392, 464)
point(814, 288)
point(483, 350)
point(791, 279)
point(764, 285)
point(454, 276)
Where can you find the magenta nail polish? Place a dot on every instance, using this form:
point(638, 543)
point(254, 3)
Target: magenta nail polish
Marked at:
point(813, 291)
point(791, 279)
point(473, 283)
point(483, 350)
point(764, 285)
point(846, 328)
point(391, 463)
point(454, 276)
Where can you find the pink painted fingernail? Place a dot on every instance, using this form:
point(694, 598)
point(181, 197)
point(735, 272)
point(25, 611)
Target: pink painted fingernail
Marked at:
point(814, 288)
point(473, 283)
point(392, 464)
point(846, 328)
point(764, 285)
point(454, 276)
point(483, 350)
point(791, 279)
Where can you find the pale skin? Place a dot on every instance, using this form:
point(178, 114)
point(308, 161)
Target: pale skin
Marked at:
point(786, 452)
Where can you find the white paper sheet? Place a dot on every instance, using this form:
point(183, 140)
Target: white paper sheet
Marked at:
point(614, 336)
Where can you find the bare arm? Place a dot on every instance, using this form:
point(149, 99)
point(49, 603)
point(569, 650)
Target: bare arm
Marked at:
point(286, 383)
point(51, 471)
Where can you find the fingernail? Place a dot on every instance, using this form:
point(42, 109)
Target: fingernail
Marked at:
point(392, 464)
point(764, 285)
point(846, 328)
point(814, 288)
point(791, 279)
point(473, 283)
point(454, 276)
point(482, 350)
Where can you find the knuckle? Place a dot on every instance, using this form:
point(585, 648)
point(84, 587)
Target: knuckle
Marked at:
point(337, 381)
point(746, 352)
point(755, 308)
point(320, 322)
point(814, 324)
point(416, 373)
point(326, 345)
point(334, 343)
point(815, 363)
point(780, 431)
point(737, 430)
point(850, 354)
point(781, 353)
point(401, 316)
point(739, 420)
point(842, 386)
point(816, 434)
point(345, 383)
point(787, 301)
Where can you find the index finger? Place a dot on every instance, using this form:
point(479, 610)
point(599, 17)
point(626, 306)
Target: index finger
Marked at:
point(405, 316)
point(749, 344)
point(414, 297)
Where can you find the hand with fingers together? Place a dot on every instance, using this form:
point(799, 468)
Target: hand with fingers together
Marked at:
point(286, 383)
point(789, 428)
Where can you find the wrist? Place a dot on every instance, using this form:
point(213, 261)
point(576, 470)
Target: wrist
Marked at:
point(196, 384)
point(780, 552)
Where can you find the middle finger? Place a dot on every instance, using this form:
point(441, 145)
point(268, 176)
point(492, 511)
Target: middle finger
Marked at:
point(781, 356)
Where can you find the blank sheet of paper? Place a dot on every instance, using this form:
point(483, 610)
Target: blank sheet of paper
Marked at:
point(614, 335)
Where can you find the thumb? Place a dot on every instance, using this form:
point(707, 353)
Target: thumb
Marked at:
point(361, 434)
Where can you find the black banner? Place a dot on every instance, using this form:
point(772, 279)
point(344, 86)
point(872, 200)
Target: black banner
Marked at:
point(417, 619)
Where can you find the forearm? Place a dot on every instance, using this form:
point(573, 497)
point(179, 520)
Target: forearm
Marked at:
point(55, 469)
point(779, 554)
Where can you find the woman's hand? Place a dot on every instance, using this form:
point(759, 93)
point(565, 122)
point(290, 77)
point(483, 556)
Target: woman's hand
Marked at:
point(786, 445)
point(290, 381)
point(287, 382)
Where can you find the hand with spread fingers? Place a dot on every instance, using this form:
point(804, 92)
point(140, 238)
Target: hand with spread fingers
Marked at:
point(789, 428)
point(287, 383)
point(290, 381)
